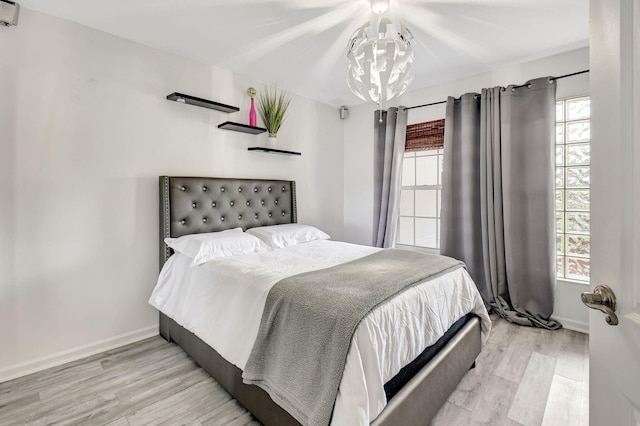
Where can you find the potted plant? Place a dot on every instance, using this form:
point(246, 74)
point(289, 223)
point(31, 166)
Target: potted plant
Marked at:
point(272, 107)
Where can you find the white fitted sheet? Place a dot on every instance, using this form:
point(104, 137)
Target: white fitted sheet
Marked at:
point(222, 301)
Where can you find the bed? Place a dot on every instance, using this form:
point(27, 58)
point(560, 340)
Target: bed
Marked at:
point(193, 205)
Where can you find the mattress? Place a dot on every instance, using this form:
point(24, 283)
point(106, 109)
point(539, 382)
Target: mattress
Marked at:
point(222, 301)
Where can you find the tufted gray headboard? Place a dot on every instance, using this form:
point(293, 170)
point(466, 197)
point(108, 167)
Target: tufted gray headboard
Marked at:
point(194, 205)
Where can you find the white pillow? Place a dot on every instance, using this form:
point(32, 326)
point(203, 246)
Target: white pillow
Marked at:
point(279, 236)
point(202, 248)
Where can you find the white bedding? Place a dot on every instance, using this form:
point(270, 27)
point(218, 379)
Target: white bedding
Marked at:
point(222, 301)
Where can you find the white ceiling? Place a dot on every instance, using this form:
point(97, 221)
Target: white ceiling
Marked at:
point(301, 44)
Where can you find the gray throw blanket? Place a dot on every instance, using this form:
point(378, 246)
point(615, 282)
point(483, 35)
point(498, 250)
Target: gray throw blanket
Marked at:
point(309, 320)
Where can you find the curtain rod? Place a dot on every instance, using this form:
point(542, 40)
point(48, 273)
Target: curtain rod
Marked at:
point(515, 87)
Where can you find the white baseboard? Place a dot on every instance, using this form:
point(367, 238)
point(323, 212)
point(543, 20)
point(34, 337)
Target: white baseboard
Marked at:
point(74, 354)
point(569, 324)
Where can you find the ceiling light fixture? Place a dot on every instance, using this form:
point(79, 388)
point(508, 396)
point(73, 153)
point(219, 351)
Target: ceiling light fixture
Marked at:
point(380, 58)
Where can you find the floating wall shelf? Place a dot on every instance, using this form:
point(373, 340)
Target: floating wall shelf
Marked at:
point(228, 125)
point(204, 103)
point(239, 127)
point(273, 151)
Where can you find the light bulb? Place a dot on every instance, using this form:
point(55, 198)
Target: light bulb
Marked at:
point(379, 6)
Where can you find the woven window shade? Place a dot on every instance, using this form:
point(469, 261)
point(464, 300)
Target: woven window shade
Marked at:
point(424, 136)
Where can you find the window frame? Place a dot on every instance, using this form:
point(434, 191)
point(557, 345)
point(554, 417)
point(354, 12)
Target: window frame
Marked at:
point(561, 215)
point(437, 187)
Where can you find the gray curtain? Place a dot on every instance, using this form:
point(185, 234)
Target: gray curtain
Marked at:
point(498, 197)
point(390, 135)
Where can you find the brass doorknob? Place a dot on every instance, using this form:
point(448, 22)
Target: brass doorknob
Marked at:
point(603, 299)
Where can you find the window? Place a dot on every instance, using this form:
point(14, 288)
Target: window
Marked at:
point(573, 197)
point(419, 222)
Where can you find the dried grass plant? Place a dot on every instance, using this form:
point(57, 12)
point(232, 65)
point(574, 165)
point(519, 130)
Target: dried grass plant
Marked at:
point(272, 107)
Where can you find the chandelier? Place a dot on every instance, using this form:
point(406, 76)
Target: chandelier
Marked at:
point(379, 57)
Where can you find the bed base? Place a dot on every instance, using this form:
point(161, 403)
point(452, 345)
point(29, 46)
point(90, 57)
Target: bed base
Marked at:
point(415, 404)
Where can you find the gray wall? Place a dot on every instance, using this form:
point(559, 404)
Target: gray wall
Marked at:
point(85, 130)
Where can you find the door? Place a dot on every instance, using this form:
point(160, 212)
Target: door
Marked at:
point(615, 209)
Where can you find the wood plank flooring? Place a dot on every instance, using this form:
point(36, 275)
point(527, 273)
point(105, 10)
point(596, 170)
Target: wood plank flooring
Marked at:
point(523, 376)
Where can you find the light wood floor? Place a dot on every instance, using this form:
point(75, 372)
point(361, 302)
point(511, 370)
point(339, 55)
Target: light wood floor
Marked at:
point(523, 376)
